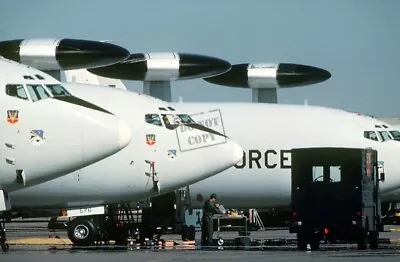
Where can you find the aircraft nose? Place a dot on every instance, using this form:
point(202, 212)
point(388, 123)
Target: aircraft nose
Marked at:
point(388, 155)
point(67, 137)
point(103, 137)
point(224, 156)
point(237, 152)
point(202, 162)
point(124, 134)
point(219, 157)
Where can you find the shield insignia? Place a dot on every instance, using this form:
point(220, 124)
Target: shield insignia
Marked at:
point(172, 154)
point(150, 139)
point(37, 137)
point(12, 116)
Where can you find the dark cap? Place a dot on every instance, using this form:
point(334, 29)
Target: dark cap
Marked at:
point(213, 195)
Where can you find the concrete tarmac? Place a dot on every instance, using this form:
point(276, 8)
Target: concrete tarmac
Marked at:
point(17, 254)
point(60, 252)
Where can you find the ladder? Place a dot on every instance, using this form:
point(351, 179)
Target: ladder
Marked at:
point(255, 218)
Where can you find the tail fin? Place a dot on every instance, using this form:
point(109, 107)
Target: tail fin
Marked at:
point(85, 77)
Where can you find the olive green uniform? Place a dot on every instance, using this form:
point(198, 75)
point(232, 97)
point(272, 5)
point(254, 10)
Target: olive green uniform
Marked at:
point(207, 230)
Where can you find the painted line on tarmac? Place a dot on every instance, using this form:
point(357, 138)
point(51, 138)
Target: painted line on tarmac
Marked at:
point(40, 241)
point(395, 241)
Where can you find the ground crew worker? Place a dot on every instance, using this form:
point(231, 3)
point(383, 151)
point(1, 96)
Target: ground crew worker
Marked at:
point(209, 210)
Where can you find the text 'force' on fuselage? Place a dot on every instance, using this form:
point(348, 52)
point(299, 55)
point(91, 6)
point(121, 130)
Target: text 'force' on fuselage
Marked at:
point(268, 132)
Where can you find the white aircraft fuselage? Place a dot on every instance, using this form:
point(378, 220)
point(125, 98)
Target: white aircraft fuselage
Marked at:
point(267, 132)
point(129, 174)
point(45, 135)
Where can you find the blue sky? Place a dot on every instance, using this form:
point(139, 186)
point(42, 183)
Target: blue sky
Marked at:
point(358, 41)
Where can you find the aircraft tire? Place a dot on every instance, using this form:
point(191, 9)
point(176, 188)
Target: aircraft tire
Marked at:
point(82, 232)
point(314, 242)
point(373, 240)
point(5, 247)
point(363, 236)
point(301, 242)
point(362, 240)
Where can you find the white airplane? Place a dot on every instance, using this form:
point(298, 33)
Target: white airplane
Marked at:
point(392, 125)
point(264, 147)
point(46, 134)
point(262, 178)
point(270, 137)
point(159, 159)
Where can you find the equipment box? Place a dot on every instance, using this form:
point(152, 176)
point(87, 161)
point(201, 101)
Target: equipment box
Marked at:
point(334, 196)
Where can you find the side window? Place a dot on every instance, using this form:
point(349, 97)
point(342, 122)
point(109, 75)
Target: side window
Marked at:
point(318, 173)
point(58, 90)
point(153, 119)
point(384, 135)
point(39, 77)
point(335, 173)
point(37, 92)
point(17, 91)
point(395, 134)
point(371, 135)
point(170, 121)
point(187, 119)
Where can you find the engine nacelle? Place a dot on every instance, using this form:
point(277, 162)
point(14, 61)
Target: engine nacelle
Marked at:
point(167, 66)
point(62, 54)
point(280, 75)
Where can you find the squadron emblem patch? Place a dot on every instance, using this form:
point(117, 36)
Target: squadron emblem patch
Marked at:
point(172, 154)
point(150, 139)
point(37, 137)
point(12, 116)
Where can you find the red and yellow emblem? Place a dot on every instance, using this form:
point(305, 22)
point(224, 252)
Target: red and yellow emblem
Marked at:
point(12, 116)
point(150, 139)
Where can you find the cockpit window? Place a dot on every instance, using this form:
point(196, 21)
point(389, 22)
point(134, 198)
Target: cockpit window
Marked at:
point(170, 121)
point(186, 119)
point(17, 91)
point(384, 135)
point(37, 92)
point(173, 121)
point(395, 134)
point(371, 135)
point(58, 90)
point(153, 119)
